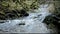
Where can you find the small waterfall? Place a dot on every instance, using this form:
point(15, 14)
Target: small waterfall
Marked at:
point(33, 23)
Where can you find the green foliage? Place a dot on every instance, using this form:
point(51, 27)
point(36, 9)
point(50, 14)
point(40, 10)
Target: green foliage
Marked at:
point(20, 4)
point(12, 8)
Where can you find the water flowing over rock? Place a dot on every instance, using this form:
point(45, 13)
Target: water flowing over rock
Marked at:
point(32, 23)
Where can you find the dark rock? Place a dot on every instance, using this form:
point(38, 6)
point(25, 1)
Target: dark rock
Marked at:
point(2, 21)
point(40, 15)
point(54, 19)
point(26, 14)
point(21, 24)
point(51, 19)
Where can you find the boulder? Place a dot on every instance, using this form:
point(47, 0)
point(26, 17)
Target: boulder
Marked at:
point(53, 19)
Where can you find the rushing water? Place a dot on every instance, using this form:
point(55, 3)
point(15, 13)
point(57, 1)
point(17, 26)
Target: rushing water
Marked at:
point(33, 23)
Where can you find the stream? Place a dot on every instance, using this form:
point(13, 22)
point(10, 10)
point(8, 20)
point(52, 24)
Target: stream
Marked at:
point(33, 22)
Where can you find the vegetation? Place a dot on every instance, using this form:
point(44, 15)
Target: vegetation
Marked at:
point(10, 9)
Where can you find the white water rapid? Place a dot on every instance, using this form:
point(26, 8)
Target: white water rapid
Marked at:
point(33, 23)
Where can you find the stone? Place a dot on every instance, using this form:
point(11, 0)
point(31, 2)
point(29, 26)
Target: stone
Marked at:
point(53, 19)
point(26, 14)
point(21, 24)
point(3, 21)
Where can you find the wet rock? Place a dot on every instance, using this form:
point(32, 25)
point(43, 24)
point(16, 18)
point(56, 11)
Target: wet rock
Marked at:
point(21, 24)
point(26, 14)
point(53, 19)
point(39, 15)
point(3, 21)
